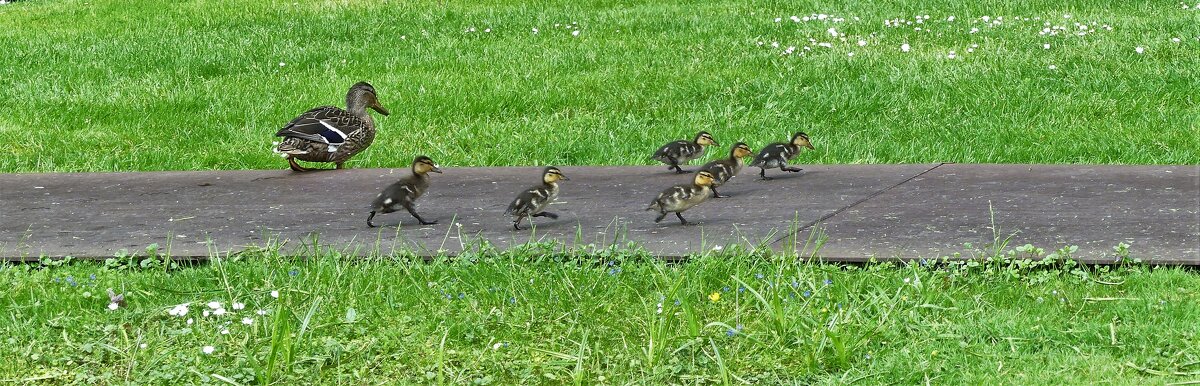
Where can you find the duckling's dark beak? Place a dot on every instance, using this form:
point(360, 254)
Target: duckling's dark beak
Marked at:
point(809, 146)
point(377, 107)
point(564, 178)
point(435, 169)
point(715, 143)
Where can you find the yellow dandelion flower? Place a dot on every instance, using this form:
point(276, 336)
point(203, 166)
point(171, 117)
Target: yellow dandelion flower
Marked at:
point(715, 296)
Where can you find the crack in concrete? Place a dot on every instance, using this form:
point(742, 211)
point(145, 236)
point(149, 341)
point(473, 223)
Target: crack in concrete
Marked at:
point(854, 204)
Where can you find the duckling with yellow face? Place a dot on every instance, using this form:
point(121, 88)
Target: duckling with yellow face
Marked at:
point(724, 169)
point(680, 152)
point(777, 155)
point(679, 198)
point(533, 201)
point(405, 192)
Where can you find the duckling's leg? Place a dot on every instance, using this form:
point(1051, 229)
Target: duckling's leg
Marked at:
point(295, 166)
point(339, 165)
point(371, 216)
point(517, 222)
point(675, 165)
point(413, 212)
point(661, 215)
point(681, 220)
point(717, 195)
point(546, 214)
point(763, 173)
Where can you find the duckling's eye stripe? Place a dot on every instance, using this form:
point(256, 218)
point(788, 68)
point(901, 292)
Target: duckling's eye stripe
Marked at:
point(332, 135)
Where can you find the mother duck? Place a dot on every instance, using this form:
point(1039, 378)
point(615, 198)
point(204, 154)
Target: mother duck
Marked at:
point(330, 134)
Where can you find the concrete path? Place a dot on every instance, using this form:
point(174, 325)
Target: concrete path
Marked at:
point(859, 211)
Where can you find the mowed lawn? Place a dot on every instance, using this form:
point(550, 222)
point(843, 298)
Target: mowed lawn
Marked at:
point(187, 85)
point(614, 319)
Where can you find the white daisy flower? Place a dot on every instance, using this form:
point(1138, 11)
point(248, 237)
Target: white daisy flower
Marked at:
point(905, 47)
point(208, 349)
point(1140, 49)
point(575, 33)
point(275, 294)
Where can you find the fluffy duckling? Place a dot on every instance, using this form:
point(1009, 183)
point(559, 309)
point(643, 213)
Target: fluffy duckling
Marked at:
point(330, 134)
point(724, 169)
point(679, 198)
point(776, 155)
point(403, 193)
point(532, 201)
point(680, 152)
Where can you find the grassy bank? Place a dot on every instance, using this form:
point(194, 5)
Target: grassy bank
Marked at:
point(128, 85)
point(617, 320)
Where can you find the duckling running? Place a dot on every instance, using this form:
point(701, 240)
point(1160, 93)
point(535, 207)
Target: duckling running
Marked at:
point(778, 154)
point(532, 201)
point(403, 193)
point(679, 198)
point(680, 152)
point(330, 134)
point(724, 169)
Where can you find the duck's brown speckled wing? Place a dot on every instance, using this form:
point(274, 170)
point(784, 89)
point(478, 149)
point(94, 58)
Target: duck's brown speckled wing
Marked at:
point(325, 124)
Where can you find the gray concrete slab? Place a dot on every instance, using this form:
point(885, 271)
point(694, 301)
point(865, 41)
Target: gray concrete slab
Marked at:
point(1155, 209)
point(196, 213)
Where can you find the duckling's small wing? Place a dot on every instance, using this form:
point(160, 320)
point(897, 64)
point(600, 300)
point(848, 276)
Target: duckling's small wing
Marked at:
point(768, 154)
point(669, 150)
point(525, 202)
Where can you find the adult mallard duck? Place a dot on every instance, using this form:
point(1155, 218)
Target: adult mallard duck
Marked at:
point(681, 151)
point(777, 155)
point(533, 201)
point(330, 134)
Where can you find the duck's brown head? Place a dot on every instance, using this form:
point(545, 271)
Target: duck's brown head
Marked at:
point(423, 164)
point(740, 150)
point(363, 94)
point(801, 139)
point(704, 178)
point(553, 175)
point(703, 138)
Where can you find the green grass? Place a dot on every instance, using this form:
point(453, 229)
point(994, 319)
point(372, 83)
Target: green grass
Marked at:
point(185, 85)
point(508, 320)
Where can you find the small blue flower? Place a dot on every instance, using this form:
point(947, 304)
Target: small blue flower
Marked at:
point(758, 276)
point(92, 277)
point(807, 293)
point(293, 272)
point(71, 281)
point(731, 332)
point(828, 281)
point(512, 300)
point(741, 289)
point(461, 295)
point(795, 284)
point(56, 280)
point(725, 289)
point(678, 302)
point(923, 262)
point(614, 271)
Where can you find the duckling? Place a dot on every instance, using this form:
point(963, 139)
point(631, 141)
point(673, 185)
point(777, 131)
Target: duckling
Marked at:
point(532, 201)
point(724, 169)
point(330, 134)
point(679, 198)
point(777, 155)
point(403, 193)
point(680, 152)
